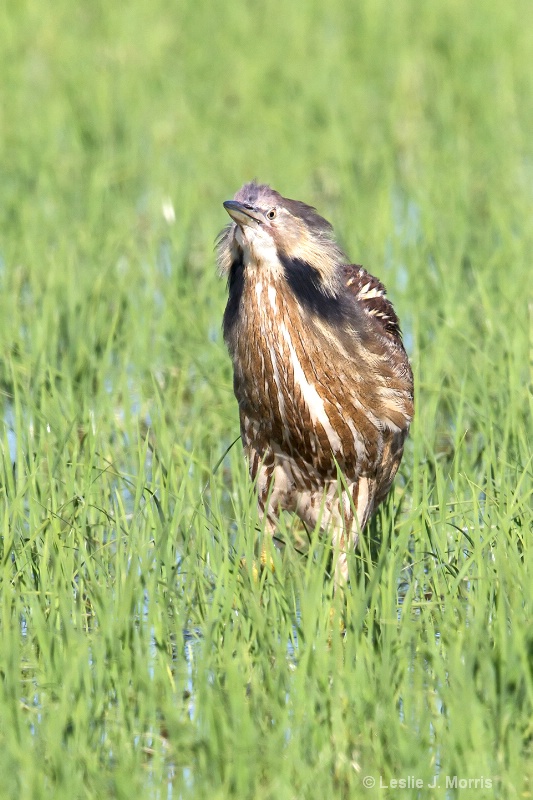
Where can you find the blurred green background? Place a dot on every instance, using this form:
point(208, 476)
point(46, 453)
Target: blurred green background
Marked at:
point(138, 657)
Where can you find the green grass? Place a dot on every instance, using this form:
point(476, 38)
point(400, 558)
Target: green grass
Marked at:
point(137, 657)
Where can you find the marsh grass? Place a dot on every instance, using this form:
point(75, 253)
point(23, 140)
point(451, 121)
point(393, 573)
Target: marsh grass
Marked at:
point(140, 656)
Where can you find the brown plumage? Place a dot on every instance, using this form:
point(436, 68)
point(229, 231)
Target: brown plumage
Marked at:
point(320, 372)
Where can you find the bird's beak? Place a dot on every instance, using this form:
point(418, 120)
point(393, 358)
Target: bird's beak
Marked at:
point(242, 213)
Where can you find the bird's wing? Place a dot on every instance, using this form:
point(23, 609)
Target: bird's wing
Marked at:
point(372, 296)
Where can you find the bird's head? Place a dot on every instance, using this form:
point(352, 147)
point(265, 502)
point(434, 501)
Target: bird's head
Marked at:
point(270, 232)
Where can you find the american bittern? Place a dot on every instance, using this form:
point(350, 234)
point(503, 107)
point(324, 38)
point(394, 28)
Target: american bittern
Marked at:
point(321, 375)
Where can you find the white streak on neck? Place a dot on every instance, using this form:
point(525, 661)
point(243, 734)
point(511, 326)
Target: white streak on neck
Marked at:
point(310, 395)
point(277, 381)
point(272, 297)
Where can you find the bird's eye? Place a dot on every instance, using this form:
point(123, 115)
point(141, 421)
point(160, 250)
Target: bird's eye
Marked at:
point(271, 214)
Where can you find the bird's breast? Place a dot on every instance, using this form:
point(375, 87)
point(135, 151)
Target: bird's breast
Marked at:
point(292, 387)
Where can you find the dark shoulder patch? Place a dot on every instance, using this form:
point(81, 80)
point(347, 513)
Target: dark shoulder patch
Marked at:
point(307, 287)
point(372, 296)
point(235, 289)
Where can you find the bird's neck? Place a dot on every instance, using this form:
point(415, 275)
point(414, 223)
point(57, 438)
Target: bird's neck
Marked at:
point(260, 256)
point(267, 308)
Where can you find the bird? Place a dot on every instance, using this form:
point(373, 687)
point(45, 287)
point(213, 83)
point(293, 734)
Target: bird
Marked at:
point(320, 373)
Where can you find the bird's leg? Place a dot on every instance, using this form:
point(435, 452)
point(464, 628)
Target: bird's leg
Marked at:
point(272, 495)
point(349, 514)
point(343, 538)
point(263, 558)
point(263, 473)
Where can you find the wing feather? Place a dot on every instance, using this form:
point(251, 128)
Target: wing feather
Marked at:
point(372, 297)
